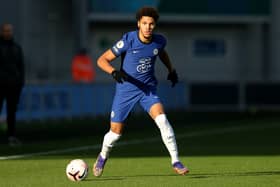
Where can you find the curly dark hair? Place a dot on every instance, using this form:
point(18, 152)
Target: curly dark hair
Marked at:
point(147, 11)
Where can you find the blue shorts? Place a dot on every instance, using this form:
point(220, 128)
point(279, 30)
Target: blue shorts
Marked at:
point(124, 102)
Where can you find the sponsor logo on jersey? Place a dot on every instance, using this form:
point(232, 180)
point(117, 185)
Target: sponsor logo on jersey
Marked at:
point(145, 65)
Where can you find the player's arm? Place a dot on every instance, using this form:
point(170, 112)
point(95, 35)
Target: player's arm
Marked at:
point(166, 60)
point(104, 63)
point(172, 75)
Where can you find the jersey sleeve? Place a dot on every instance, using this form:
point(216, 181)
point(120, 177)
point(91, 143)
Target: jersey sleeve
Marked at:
point(120, 46)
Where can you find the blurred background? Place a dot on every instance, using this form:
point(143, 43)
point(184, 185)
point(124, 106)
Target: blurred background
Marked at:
point(225, 52)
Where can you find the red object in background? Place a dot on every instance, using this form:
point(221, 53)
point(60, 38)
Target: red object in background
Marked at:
point(82, 69)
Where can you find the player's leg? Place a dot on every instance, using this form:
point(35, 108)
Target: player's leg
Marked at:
point(166, 130)
point(109, 141)
point(111, 138)
point(120, 110)
point(168, 136)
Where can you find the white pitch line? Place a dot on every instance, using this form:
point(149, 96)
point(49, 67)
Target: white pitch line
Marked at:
point(141, 141)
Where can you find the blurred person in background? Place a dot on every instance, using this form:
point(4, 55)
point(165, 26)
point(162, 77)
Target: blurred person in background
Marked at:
point(82, 68)
point(11, 78)
point(136, 82)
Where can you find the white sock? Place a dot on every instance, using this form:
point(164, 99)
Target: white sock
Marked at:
point(168, 137)
point(108, 142)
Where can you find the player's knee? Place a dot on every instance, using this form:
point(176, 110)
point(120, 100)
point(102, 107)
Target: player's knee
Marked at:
point(117, 127)
point(156, 110)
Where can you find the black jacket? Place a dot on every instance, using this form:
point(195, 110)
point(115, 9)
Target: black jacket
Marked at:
point(11, 63)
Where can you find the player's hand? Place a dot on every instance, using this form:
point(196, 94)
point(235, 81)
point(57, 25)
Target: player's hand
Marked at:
point(173, 77)
point(119, 76)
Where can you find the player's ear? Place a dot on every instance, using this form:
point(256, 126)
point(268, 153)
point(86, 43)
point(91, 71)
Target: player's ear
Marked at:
point(138, 24)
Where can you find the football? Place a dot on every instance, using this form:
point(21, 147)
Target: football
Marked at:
point(77, 170)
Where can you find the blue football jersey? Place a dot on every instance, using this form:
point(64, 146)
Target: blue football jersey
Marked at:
point(138, 58)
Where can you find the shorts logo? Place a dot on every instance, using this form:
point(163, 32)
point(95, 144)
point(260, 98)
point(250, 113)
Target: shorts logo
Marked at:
point(145, 65)
point(155, 51)
point(112, 114)
point(120, 44)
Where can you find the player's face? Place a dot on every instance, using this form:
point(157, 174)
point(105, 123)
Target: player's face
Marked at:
point(146, 26)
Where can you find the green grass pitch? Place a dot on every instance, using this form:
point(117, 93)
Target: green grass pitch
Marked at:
point(234, 150)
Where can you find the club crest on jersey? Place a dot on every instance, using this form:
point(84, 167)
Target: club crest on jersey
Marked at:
point(145, 65)
point(120, 44)
point(155, 51)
